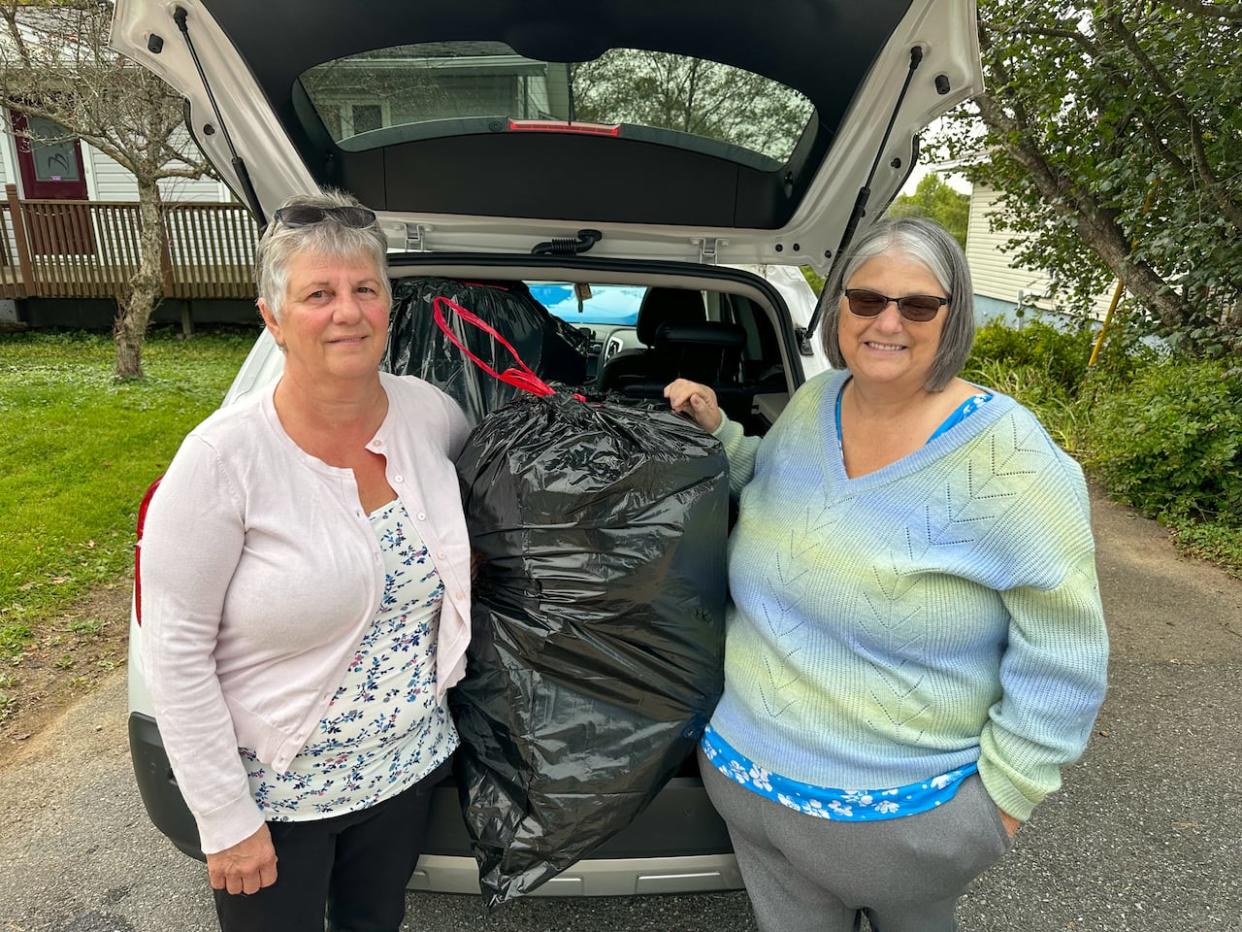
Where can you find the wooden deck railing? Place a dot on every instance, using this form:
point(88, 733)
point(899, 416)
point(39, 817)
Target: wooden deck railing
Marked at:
point(89, 249)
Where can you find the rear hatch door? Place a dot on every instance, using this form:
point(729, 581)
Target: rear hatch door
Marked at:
point(724, 131)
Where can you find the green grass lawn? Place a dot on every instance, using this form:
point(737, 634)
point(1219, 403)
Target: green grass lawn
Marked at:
point(77, 451)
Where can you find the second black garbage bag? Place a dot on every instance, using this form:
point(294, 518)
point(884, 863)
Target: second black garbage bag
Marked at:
point(597, 648)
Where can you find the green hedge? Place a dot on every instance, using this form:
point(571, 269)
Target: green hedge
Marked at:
point(1058, 356)
point(1163, 434)
point(1042, 367)
point(1169, 440)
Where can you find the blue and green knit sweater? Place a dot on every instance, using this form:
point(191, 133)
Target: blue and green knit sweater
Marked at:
point(940, 611)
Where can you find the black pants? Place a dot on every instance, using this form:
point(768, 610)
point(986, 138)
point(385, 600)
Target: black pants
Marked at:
point(352, 867)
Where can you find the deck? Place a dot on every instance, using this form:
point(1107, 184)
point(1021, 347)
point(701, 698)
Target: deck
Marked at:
point(89, 249)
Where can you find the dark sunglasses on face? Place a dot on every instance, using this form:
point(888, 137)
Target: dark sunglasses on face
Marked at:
point(863, 302)
point(302, 215)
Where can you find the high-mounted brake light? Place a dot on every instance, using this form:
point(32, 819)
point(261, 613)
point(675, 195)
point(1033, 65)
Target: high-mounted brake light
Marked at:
point(563, 126)
point(142, 520)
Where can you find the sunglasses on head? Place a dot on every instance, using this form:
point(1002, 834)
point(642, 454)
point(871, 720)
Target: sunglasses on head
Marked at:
point(863, 302)
point(302, 215)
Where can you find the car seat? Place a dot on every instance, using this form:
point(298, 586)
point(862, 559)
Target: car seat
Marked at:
point(679, 343)
point(660, 307)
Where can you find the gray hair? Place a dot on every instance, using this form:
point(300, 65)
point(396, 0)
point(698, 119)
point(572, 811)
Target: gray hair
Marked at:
point(932, 246)
point(281, 243)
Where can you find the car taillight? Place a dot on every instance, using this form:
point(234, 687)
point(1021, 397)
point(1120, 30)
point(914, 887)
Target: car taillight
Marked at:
point(563, 126)
point(142, 520)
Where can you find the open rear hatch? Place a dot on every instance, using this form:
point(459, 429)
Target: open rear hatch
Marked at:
point(722, 131)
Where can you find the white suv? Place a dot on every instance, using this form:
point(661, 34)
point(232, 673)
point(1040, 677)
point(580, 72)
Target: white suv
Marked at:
point(707, 146)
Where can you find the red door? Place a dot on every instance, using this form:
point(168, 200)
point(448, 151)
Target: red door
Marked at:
point(52, 171)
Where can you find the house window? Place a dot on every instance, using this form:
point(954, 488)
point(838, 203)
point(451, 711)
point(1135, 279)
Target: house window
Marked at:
point(358, 117)
point(53, 151)
point(367, 117)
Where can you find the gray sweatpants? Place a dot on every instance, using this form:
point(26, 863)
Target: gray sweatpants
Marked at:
point(805, 874)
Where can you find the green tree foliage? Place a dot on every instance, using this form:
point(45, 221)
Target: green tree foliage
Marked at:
point(1094, 109)
point(935, 199)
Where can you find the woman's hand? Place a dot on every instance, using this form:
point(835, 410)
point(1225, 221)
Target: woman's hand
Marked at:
point(247, 867)
point(697, 400)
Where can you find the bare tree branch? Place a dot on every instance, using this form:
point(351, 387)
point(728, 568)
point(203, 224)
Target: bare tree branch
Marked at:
point(55, 63)
point(191, 173)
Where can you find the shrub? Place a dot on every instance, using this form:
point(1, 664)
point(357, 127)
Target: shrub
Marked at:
point(1163, 434)
point(1217, 541)
point(1056, 356)
point(813, 278)
point(1168, 440)
point(1041, 366)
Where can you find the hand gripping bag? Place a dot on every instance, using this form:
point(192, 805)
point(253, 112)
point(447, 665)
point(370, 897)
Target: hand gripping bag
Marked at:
point(597, 646)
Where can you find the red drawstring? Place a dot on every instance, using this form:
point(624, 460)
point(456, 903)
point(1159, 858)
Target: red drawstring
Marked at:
point(522, 377)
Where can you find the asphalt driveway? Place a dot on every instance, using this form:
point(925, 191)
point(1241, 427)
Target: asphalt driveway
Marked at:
point(1146, 834)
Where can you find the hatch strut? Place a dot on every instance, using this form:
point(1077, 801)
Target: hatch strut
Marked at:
point(239, 167)
point(860, 206)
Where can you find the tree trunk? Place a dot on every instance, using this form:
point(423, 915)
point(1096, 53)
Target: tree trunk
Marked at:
point(1231, 316)
point(145, 288)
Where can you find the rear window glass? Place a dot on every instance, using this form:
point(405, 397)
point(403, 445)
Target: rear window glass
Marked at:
point(445, 88)
point(616, 305)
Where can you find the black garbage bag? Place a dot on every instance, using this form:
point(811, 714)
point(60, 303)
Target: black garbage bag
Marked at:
point(416, 346)
point(597, 649)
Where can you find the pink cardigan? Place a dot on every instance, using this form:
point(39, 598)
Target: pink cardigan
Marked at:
point(260, 573)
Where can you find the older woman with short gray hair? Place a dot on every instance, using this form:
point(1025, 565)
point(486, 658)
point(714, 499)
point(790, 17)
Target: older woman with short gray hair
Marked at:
point(306, 590)
point(916, 646)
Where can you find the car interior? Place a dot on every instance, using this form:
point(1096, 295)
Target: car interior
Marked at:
point(717, 339)
point(722, 339)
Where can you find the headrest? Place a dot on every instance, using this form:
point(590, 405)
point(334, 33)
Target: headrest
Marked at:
point(711, 334)
point(673, 306)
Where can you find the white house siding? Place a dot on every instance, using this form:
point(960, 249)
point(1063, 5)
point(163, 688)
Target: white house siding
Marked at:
point(111, 182)
point(106, 180)
point(8, 175)
point(993, 270)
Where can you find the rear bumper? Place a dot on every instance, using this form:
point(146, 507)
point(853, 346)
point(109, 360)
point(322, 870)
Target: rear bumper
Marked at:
point(157, 786)
point(438, 873)
point(678, 844)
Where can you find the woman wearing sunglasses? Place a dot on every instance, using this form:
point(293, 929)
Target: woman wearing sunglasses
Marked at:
point(306, 599)
point(916, 645)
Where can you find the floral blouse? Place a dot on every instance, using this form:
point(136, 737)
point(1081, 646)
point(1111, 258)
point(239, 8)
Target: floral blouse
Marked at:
point(384, 730)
